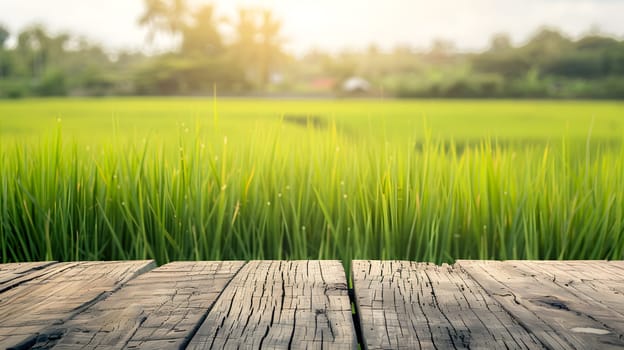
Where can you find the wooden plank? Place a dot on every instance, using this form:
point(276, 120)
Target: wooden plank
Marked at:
point(281, 304)
point(562, 317)
point(6, 270)
point(408, 305)
point(160, 309)
point(63, 291)
point(601, 281)
point(584, 270)
point(14, 274)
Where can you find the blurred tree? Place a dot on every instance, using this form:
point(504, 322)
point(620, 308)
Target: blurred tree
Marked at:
point(547, 44)
point(441, 49)
point(586, 65)
point(596, 42)
point(548, 65)
point(39, 50)
point(244, 48)
point(4, 61)
point(166, 16)
point(4, 35)
point(53, 83)
point(500, 42)
point(270, 45)
point(258, 44)
point(32, 48)
point(202, 36)
point(341, 67)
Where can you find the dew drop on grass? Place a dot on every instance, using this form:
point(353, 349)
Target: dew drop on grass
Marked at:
point(269, 204)
point(279, 195)
point(303, 228)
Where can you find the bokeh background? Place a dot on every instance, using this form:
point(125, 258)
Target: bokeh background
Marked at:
point(398, 48)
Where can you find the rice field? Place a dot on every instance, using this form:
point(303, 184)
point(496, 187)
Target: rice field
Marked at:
point(428, 180)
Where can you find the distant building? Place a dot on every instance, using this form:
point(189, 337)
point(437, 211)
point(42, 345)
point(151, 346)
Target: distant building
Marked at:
point(356, 85)
point(323, 84)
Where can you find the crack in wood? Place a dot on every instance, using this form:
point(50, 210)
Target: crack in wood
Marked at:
point(299, 304)
point(33, 311)
point(406, 305)
point(549, 309)
point(281, 304)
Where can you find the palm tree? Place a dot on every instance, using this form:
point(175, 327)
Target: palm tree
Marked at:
point(245, 47)
point(203, 35)
point(168, 16)
point(270, 46)
point(258, 44)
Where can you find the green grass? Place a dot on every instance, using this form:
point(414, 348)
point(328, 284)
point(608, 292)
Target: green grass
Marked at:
point(180, 179)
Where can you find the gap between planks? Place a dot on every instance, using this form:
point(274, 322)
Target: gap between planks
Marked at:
point(399, 304)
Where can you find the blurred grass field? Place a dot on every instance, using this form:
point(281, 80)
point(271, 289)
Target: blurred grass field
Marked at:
point(90, 119)
point(429, 180)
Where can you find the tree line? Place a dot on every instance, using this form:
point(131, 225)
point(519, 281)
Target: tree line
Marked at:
point(244, 55)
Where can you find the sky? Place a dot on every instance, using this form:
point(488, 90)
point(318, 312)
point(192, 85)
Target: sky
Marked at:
point(335, 25)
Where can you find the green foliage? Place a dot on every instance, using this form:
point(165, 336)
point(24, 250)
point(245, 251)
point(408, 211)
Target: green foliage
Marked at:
point(13, 89)
point(4, 35)
point(167, 75)
point(371, 183)
point(52, 84)
point(251, 60)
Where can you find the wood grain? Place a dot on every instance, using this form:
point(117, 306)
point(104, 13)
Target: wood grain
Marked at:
point(14, 274)
point(306, 304)
point(160, 309)
point(64, 290)
point(279, 305)
point(407, 305)
point(547, 298)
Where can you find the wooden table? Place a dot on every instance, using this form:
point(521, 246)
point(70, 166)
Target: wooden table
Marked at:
point(308, 304)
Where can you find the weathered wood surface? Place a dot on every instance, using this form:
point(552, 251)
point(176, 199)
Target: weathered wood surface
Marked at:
point(576, 305)
point(281, 305)
point(58, 293)
point(407, 305)
point(159, 309)
point(15, 274)
point(306, 304)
